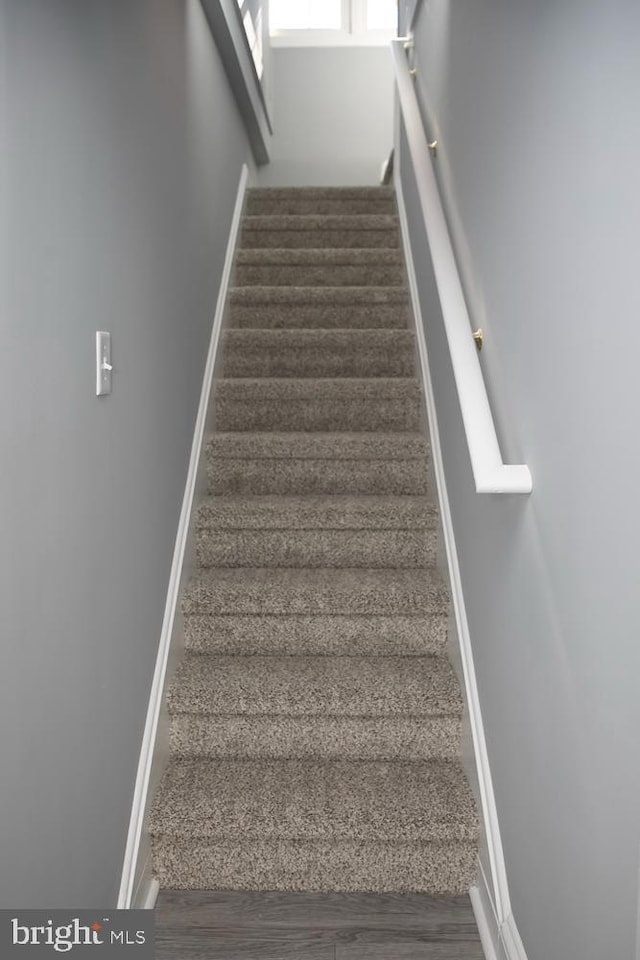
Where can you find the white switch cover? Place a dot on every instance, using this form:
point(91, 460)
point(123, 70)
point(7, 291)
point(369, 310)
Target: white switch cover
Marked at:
point(103, 363)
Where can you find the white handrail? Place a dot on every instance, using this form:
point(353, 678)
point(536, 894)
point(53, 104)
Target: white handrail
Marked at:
point(490, 473)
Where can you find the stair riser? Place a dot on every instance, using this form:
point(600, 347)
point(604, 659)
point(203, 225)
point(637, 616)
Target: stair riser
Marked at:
point(435, 738)
point(243, 359)
point(325, 514)
point(316, 636)
point(200, 864)
point(325, 414)
point(244, 476)
point(318, 446)
point(329, 275)
point(318, 316)
point(344, 548)
point(343, 239)
point(224, 600)
point(326, 206)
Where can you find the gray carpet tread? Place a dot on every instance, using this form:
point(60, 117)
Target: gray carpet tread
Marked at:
point(318, 222)
point(316, 267)
point(339, 635)
point(337, 512)
point(316, 403)
point(299, 592)
point(309, 200)
point(361, 339)
point(443, 867)
point(321, 192)
point(307, 800)
point(339, 531)
point(329, 256)
point(285, 737)
point(319, 353)
point(374, 549)
point(379, 231)
point(317, 463)
point(316, 686)
point(317, 274)
point(318, 388)
point(344, 295)
point(319, 307)
point(369, 341)
point(344, 445)
point(305, 475)
point(314, 719)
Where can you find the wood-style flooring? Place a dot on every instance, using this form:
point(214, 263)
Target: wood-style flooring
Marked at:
point(195, 925)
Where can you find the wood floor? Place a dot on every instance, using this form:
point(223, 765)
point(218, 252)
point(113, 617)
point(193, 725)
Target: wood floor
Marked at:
point(194, 925)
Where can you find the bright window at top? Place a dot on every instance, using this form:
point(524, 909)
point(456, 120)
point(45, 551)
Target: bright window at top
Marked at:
point(305, 14)
point(311, 22)
point(382, 15)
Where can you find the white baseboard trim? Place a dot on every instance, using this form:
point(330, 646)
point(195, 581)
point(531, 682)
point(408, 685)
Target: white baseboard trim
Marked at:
point(148, 749)
point(498, 887)
point(486, 920)
point(513, 945)
point(498, 942)
point(149, 901)
point(147, 888)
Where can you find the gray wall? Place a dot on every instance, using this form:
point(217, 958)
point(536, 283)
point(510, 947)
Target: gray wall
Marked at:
point(333, 116)
point(121, 155)
point(406, 11)
point(535, 106)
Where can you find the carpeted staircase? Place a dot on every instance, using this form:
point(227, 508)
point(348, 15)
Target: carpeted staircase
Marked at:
point(315, 718)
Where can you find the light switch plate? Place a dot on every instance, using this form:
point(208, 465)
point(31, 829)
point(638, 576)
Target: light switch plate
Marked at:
point(103, 363)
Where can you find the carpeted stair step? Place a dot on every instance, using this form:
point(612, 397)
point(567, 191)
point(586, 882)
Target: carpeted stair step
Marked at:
point(327, 707)
point(271, 404)
point(313, 825)
point(309, 200)
point(302, 475)
point(314, 719)
point(318, 307)
point(319, 738)
point(320, 446)
point(319, 353)
point(339, 636)
point(318, 231)
point(316, 548)
point(316, 532)
point(316, 513)
point(315, 687)
point(317, 463)
point(196, 863)
point(317, 268)
point(278, 591)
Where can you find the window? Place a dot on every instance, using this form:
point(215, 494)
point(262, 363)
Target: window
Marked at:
point(305, 15)
point(332, 22)
point(382, 15)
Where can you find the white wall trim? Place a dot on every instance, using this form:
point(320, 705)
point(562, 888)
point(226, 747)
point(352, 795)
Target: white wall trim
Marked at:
point(146, 888)
point(136, 832)
point(486, 920)
point(153, 890)
point(149, 896)
point(489, 812)
point(499, 942)
point(513, 945)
